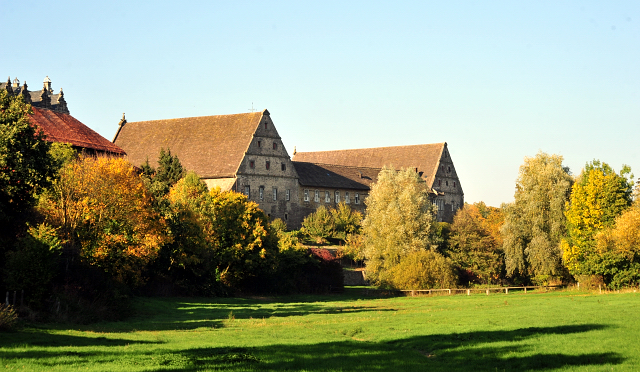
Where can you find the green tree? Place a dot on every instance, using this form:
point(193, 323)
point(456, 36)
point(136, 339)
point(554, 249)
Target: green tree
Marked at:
point(346, 221)
point(399, 221)
point(169, 171)
point(319, 225)
point(599, 196)
point(535, 222)
point(475, 243)
point(26, 167)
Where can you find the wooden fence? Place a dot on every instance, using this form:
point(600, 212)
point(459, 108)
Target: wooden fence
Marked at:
point(451, 291)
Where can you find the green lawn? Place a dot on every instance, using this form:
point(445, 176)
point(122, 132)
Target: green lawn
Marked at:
point(516, 332)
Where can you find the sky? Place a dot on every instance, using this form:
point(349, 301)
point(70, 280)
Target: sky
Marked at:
point(497, 80)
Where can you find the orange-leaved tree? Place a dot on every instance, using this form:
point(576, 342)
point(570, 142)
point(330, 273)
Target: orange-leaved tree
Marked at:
point(105, 216)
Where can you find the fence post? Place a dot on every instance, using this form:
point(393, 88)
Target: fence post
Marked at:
point(487, 291)
point(449, 291)
point(600, 288)
point(468, 292)
point(525, 289)
point(506, 290)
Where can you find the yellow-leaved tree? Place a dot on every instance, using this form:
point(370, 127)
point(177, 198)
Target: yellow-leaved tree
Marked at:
point(104, 214)
point(598, 198)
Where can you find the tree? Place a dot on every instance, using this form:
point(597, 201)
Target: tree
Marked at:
point(535, 222)
point(26, 167)
point(475, 243)
point(169, 171)
point(105, 216)
point(598, 197)
point(399, 221)
point(319, 225)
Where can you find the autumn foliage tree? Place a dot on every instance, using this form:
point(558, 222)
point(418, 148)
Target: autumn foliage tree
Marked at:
point(534, 224)
point(105, 217)
point(475, 243)
point(599, 197)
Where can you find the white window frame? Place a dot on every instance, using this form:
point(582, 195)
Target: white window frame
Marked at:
point(316, 196)
point(287, 194)
point(275, 194)
point(337, 196)
point(327, 197)
point(347, 199)
point(261, 192)
point(306, 195)
point(356, 198)
point(247, 191)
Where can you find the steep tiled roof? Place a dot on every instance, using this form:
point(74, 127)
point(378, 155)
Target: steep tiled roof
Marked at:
point(335, 176)
point(424, 157)
point(211, 146)
point(61, 127)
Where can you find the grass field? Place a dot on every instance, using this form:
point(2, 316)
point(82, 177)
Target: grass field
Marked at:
point(568, 331)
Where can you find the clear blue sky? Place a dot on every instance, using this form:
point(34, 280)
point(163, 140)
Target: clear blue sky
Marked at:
point(496, 80)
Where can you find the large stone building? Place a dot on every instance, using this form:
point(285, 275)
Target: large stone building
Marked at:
point(51, 115)
point(245, 153)
point(361, 166)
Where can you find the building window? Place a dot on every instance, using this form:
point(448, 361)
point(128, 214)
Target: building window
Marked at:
point(446, 183)
point(265, 125)
point(327, 197)
point(337, 197)
point(259, 144)
point(439, 203)
point(316, 196)
point(261, 192)
point(268, 164)
point(275, 194)
point(286, 216)
point(306, 195)
point(287, 194)
point(252, 164)
point(247, 191)
point(275, 146)
point(347, 200)
point(356, 198)
point(283, 167)
point(454, 183)
point(448, 169)
point(439, 182)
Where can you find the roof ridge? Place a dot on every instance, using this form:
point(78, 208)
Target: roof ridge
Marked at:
point(373, 148)
point(198, 117)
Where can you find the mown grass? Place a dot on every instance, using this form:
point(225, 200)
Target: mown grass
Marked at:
point(565, 331)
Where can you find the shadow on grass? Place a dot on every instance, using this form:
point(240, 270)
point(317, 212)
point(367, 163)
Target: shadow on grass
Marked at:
point(477, 351)
point(509, 350)
point(158, 314)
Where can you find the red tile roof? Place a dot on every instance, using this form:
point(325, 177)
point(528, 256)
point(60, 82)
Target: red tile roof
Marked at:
point(60, 127)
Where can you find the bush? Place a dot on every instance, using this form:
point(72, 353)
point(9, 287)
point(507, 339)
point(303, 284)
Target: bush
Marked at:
point(422, 270)
point(8, 317)
point(345, 221)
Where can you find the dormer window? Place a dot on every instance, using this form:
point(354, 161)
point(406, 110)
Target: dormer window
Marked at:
point(268, 164)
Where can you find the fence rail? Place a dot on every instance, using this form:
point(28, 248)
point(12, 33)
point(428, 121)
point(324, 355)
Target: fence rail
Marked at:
point(450, 291)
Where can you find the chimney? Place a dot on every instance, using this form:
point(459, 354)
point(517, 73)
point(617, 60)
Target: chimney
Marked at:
point(25, 93)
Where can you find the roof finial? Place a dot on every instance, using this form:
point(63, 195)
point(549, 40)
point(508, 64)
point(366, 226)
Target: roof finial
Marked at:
point(123, 121)
point(8, 86)
point(294, 150)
